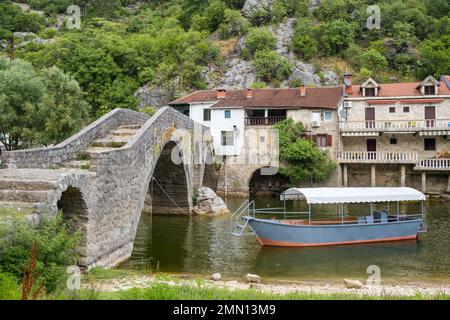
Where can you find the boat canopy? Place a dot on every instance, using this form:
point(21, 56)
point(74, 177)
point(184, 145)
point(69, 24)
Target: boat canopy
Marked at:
point(352, 195)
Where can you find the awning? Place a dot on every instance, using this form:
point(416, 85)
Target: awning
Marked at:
point(352, 195)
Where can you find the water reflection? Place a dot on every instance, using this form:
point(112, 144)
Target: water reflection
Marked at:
point(204, 245)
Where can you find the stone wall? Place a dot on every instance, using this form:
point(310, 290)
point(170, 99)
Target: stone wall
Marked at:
point(68, 149)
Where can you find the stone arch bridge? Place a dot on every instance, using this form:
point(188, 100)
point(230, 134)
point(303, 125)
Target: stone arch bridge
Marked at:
point(106, 175)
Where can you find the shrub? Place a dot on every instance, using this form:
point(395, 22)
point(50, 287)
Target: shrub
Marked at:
point(9, 287)
point(150, 111)
point(56, 249)
point(270, 66)
point(260, 39)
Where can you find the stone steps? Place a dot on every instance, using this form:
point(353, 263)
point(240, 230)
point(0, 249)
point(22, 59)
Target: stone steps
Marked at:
point(33, 185)
point(79, 164)
point(29, 196)
point(19, 209)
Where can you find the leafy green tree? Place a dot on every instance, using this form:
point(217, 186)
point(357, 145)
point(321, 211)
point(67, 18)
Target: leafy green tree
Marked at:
point(235, 24)
point(336, 36)
point(403, 36)
point(304, 40)
point(301, 158)
point(260, 39)
point(38, 109)
point(373, 60)
point(434, 57)
point(20, 93)
point(270, 66)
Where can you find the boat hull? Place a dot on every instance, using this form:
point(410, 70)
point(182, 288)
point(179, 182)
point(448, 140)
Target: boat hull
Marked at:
point(276, 233)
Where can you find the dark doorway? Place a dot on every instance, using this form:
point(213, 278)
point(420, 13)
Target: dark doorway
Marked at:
point(370, 117)
point(430, 116)
point(372, 148)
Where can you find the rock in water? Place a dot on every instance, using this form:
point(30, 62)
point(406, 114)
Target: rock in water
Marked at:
point(208, 202)
point(253, 278)
point(216, 276)
point(353, 284)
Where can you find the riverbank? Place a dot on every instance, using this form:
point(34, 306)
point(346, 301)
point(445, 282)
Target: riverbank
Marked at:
point(118, 284)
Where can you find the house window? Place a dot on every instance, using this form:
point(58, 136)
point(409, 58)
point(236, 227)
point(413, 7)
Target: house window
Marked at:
point(321, 140)
point(262, 139)
point(369, 92)
point(327, 116)
point(391, 109)
point(430, 90)
point(393, 141)
point(405, 109)
point(430, 144)
point(227, 114)
point(227, 138)
point(206, 115)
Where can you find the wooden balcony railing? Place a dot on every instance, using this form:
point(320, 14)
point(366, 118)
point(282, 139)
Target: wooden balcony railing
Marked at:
point(378, 157)
point(395, 125)
point(263, 121)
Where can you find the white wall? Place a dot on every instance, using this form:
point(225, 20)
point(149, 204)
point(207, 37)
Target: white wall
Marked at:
point(218, 124)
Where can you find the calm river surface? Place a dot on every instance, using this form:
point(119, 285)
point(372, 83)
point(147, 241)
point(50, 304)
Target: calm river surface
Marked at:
point(204, 245)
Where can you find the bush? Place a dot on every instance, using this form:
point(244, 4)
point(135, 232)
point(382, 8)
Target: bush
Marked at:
point(9, 287)
point(260, 39)
point(270, 66)
point(150, 111)
point(234, 24)
point(56, 249)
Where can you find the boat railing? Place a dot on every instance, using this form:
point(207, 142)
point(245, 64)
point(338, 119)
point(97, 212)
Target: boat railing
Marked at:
point(246, 208)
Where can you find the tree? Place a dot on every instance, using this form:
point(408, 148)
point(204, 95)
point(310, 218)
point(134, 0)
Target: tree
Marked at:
point(235, 24)
point(304, 42)
point(373, 60)
point(260, 39)
point(20, 92)
point(403, 36)
point(336, 36)
point(270, 66)
point(302, 159)
point(38, 109)
point(434, 57)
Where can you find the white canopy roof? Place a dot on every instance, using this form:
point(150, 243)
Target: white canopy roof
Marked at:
point(351, 195)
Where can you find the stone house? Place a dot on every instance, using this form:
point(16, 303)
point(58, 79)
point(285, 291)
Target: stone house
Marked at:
point(241, 120)
point(396, 134)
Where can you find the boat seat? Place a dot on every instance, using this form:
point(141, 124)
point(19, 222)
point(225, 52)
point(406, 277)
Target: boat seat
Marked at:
point(380, 217)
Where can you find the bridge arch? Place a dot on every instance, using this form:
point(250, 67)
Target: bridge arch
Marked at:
point(168, 188)
point(75, 214)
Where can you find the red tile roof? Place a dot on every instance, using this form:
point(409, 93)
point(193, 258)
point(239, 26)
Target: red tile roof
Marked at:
point(322, 97)
point(400, 89)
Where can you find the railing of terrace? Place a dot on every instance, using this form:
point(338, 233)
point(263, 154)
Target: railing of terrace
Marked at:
point(390, 125)
point(380, 157)
point(263, 121)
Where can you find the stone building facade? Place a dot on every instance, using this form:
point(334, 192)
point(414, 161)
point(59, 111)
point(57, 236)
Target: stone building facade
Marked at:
point(396, 134)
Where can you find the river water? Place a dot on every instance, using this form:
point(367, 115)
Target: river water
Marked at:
point(204, 245)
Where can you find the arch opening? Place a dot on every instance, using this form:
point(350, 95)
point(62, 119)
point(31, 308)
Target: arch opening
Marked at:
point(267, 185)
point(168, 192)
point(75, 215)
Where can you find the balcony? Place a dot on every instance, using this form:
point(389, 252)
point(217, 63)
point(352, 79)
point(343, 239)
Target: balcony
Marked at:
point(406, 126)
point(378, 157)
point(433, 164)
point(263, 121)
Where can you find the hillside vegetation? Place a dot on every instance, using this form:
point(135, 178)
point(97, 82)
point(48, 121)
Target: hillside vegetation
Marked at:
point(180, 45)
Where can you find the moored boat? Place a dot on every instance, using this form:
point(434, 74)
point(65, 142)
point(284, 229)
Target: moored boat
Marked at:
point(379, 226)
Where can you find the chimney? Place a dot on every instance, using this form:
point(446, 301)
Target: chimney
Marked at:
point(302, 90)
point(348, 82)
point(221, 93)
point(249, 93)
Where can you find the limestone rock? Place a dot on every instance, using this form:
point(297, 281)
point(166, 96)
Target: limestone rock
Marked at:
point(240, 74)
point(208, 202)
point(253, 278)
point(252, 6)
point(216, 276)
point(153, 96)
point(353, 284)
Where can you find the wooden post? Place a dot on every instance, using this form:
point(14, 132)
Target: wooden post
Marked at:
point(403, 176)
point(373, 177)
point(345, 173)
point(424, 182)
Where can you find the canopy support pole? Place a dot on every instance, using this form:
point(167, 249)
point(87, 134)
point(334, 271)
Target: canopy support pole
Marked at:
point(371, 209)
point(309, 214)
point(342, 213)
point(398, 211)
point(422, 210)
point(284, 206)
point(388, 208)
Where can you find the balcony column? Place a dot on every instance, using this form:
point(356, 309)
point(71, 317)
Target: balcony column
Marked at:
point(345, 174)
point(424, 181)
point(448, 184)
point(402, 176)
point(373, 176)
